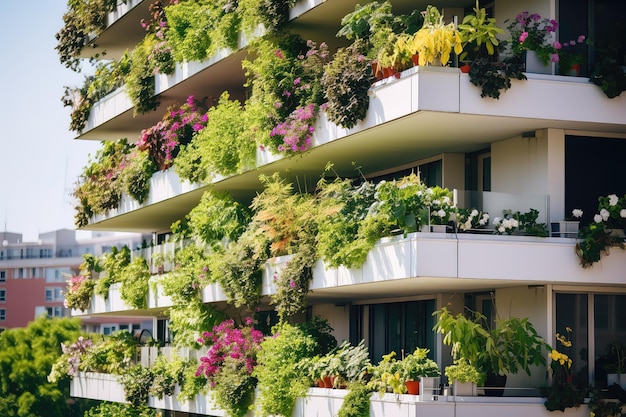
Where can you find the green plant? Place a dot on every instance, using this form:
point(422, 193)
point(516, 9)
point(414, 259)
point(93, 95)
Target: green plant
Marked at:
point(357, 402)
point(531, 32)
point(137, 381)
point(346, 82)
point(604, 405)
point(435, 41)
point(417, 364)
point(139, 81)
point(165, 375)
point(387, 374)
point(610, 77)
point(595, 241)
point(279, 380)
point(229, 365)
point(136, 175)
point(506, 348)
point(134, 278)
point(113, 355)
point(493, 77)
point(113, 263)
point(79, 292)
point(479, 35)
point(462, 371)
point(616, 353)
point(107, 409)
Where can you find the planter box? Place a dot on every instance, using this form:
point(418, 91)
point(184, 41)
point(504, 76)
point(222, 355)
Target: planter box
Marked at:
point(566, 228)
point(464, 389)
point(429, 388)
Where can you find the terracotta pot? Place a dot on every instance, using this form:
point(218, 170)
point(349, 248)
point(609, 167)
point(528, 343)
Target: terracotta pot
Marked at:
point(320, 383)
point(412, 387)
point(328, 381)
point(376, 71)
point(388, 72)
point(465, 69)
point(416, 60)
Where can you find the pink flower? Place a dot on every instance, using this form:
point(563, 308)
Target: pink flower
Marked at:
point(523, 37)
point(554, 57)
point(279, 54)
point(581, 38)
point(557, 45)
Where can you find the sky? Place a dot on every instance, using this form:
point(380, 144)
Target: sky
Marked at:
point(40, 160)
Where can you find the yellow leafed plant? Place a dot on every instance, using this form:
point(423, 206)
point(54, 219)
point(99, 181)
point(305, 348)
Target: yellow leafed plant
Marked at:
point(435, 41)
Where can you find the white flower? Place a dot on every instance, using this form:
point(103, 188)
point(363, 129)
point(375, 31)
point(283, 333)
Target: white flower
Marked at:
point(441, 213)
point(496, 220)
point(501, 229)
point(446, 199)
point(486, 216)
point(597, 218)
point(474, 213)
point(467, 225)
point(577, 213)
point(604, 213)
point(613, 199)
point(622, 213)
point(482, 222)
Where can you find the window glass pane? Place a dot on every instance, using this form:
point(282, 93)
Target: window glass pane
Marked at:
point(572, 313)
point(609, 336)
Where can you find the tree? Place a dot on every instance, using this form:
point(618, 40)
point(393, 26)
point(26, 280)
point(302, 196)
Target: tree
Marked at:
point(26, 358)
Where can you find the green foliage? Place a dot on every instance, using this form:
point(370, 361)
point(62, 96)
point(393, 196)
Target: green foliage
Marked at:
point(417, 364)
point(462, 371)
point(81, 19)
point(493, 77)
point(100, 185)
point(610, 77)
point(188, 314)
point(188, 31)
point(220, 148)
point(357, 402)
point(479, 34)
point(113, 263)
point(595, 241)
point(27, 355)
point(140, 79)
point(346, 82)
point(137, 381)
point(218, 217)
point(279, 381)
point(111, 355)
point(106, 409)
point(136, 175)
point(79, 292)
point(238, 267)
point(134, 279)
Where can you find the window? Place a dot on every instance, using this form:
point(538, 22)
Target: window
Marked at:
point(431, 173)
point(18, 273)
point(595, 321)
point(394, 326)
point(54, 294)
point(54, 312)
point(3, 296)
point(3, 276)
point(3, 314)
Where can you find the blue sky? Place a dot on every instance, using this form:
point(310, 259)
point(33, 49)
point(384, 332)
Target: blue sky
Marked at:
point(39, 159)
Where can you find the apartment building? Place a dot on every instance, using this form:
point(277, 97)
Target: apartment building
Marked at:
point(549, 145)
point(34, 275)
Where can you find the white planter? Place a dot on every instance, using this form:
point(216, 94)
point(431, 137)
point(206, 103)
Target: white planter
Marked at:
point(464, 389)
point(619, 379)
point(439, 228)
point(429, 388)
point(534, 64)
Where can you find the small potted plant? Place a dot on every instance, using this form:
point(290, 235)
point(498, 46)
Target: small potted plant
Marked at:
point(616, 365)
point(479, 36)
point(464, 377)
point(415, 367)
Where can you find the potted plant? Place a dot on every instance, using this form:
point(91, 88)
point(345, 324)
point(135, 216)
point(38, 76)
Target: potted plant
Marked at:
point(510, 346)
point(415, 367)
point(436, 40)
point(479, 36)
point(464, 377)
point(616, 364)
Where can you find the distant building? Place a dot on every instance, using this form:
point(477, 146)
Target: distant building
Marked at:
point(33, 277)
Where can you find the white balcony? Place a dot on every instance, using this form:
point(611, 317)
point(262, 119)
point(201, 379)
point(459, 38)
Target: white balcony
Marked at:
point(425, 263)
point(322, 402)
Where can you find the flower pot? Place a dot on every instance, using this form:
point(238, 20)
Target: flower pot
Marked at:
point(328, 381)
point(569, 228)
point(495, 385)
point(429, 387)
point(320, 383)
point(439, 228)
point(415, 59)
point(375, 70)
point(535, 65)
point(412, 387)
point(388, 72)
point(574, 70)
point(464, 389)
point(465, 69)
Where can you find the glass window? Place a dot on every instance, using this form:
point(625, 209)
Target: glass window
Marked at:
point(3, 276)
point(3, 295)
point(49, 295)
point(572, 313)
point(3, 314)
point(609, 334)
point(394, 327)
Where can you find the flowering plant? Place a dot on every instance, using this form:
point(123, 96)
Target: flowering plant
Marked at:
point(229, 363)
point(562, 393)
point(297, 130)
point(441, 205)
point(531, 32)
point(79, 291)
point(180, 123)
point(612, 210)
point(472, 219)
point(506, 224)
point(570, 54)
